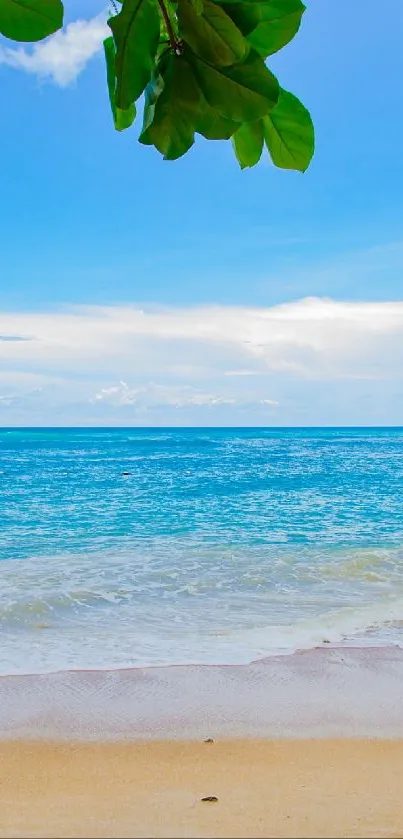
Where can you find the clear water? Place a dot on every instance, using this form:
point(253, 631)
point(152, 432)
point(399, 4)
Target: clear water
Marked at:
point(220, 545)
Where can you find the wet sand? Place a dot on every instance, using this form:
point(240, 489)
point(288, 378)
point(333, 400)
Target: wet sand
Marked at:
point(327, 692)
point(304, 745)
point(265, 788)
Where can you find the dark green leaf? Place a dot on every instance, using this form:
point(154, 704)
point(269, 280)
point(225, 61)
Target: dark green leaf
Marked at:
point(211, 34)
point(213, 126)
point(136, 31)
point(207, 122)
point(268, 24)
point(242, 93)
point(30, 20)
point(245, 15)
point(163, 44)
point(289, 133)
point(121, 119)
point(197, 5)
point(171, 110)
point(248, 143)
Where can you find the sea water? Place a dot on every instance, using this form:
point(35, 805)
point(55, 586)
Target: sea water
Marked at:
point(217, 546)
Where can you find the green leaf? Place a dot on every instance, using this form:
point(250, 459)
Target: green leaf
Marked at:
point(289, 133)
point(201, 116)
point(197, 5)
point(248, 143)
point(211, 34)
point(124, 119)
point(267, 24)
point(121, 119)
point(245, 15)
point(151, 94)
point(278, 27)
point(242, 93)
point(213, 126)
point(171, 109)
point(136, 31)
point(110, 53)
point(30, 20)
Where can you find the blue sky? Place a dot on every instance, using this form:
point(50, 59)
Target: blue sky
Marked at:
point(91, 218)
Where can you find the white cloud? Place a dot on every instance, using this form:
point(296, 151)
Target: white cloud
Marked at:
point(308, 337)
point(300, 360)
point(240, 373)
point(120, 394)
point(62, 56)
point(158, 395)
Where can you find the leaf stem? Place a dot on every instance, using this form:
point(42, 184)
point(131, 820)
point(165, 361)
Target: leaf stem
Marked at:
point(175, 45)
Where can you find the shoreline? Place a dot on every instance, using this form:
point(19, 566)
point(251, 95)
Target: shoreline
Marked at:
point(321, 693)
point(264, 788)
point(345, 646)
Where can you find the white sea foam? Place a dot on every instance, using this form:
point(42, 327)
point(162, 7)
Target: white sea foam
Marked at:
point(182, 603)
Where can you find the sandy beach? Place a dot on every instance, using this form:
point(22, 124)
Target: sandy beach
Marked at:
point(309, 745)
point(265, 788)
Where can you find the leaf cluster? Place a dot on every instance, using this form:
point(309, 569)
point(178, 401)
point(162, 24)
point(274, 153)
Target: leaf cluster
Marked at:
point(200, 67)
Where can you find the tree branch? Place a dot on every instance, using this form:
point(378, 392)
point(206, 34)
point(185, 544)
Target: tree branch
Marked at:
point(171, 34)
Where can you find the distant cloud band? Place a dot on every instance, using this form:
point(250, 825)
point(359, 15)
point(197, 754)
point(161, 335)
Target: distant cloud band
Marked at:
point(118, 363)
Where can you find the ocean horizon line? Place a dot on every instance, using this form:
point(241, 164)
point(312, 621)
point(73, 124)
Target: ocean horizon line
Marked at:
point(84, 427)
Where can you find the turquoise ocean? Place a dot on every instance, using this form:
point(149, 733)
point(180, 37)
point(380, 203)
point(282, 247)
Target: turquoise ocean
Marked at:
point(217, 546)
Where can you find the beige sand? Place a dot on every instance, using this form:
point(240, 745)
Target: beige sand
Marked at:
point(284, 788)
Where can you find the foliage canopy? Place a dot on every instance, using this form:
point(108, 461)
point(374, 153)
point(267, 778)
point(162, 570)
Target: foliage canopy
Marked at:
point(202, 67)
